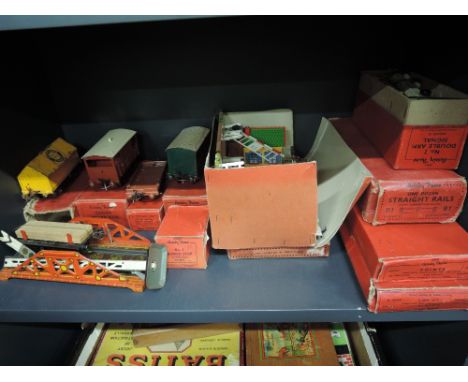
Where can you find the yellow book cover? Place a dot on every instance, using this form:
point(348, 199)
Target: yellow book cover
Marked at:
point(116, 348)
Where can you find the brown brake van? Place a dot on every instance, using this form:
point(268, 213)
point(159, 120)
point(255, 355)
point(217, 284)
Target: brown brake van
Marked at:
point(109, 159)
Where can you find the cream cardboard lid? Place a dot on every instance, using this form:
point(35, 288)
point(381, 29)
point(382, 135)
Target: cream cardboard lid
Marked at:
point(342, 178)
point(452, 110)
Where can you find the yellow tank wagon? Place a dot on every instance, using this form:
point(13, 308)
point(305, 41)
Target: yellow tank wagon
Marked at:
point(46, 172)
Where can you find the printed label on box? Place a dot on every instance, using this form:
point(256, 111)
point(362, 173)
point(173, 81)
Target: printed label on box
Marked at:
point(455, 267)
point(110, 210)
point(144, 221)
point(181, 252)
point(421, 202)
point(437, 145)
point(414, 299)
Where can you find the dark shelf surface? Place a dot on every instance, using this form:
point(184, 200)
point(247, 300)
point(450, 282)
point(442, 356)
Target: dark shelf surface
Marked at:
point(39, 21)
point(228, 291)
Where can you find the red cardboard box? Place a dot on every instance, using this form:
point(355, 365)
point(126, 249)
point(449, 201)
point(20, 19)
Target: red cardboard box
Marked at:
point(403, 196)
point(393, 296)
point(184, 233)
point(278, 253)
point(145, 215)
point(412, 133)
point(402, 252)
point(184, 194)
point(111, 204)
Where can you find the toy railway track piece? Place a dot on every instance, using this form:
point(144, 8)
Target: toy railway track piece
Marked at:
point(15, 244)
point(109, 234)
point(70, 267)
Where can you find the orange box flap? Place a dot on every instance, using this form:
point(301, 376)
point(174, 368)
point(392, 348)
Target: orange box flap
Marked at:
point(256, 205)
point(184, 221)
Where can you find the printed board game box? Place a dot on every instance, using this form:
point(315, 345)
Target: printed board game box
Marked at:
point(110, 204)
point(145, 215)
point(115, 348)
point(412, 133)
point(271, 206)
point(298, 344)
point(184, 233)
point(184, 194)
point(403, 196)
point(405, 252)
point(342, 344)
point(417, 285)
point(277, 253)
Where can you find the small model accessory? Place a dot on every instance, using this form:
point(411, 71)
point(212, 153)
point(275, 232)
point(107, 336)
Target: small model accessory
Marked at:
point(237, 133)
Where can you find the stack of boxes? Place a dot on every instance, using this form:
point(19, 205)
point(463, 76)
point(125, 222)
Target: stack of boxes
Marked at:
point(402, 238)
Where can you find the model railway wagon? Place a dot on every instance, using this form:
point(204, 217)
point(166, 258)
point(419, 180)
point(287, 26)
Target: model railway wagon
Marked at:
point(146, 180)
point(48, 170)
point(83, 234)
point(108, 161)
point(187, 153)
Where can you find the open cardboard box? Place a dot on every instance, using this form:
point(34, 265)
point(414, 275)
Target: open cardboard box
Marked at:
point(412, 133)
point(283, 205)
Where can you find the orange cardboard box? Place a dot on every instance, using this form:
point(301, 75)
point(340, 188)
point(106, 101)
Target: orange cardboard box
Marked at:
point(184, 233)
point(411, 252)
point(145, 215)
point(403, 196)
point(413, 133)
point(406, 293)
point(184, 194)
point(262, 206)
point(277, 206)
point(110, 204)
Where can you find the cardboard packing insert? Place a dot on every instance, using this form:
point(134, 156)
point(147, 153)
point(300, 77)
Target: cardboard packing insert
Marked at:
point(408, 266)
point(184, 233)
point(277, 206)
point(413, 133)
point(403, 196)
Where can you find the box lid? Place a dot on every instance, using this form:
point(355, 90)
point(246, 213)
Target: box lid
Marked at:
point(406, 241)
point(342, 179)
point(175, 189)
point(191, 221)
point(449, 108)
point(93, 195)
point(377, 165)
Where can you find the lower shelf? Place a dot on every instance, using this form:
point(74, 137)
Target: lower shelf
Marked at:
point(283, 290)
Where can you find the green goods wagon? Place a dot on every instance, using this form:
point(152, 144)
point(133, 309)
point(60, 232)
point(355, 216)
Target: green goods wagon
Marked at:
point(187, 153)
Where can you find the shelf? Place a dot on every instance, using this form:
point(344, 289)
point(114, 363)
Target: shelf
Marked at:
point(228, 291)
point(35, 22)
